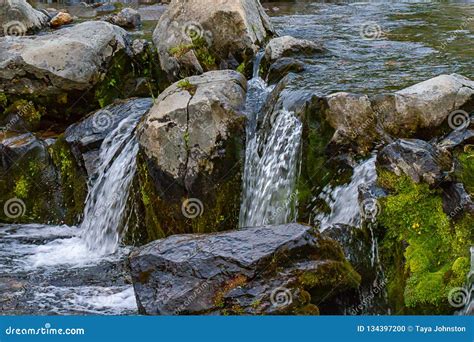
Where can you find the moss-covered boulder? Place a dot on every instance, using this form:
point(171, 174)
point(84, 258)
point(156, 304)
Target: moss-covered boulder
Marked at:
point(194, 36)
point(75, 70)
point(425, 253)
point(190, 161)
point(32, 188)
point(288, 269)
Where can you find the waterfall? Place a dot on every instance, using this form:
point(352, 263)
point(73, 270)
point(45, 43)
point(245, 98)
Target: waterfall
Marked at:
point(271, 163)
point(344, 200)
point(106, 202)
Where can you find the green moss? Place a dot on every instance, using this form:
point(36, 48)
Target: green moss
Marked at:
point(241, 68)
point(3, 100)
point(21, 187)
point(187, 85)
point(201, 50)
point(73, 181)
point(466, 172)
point(423, 251)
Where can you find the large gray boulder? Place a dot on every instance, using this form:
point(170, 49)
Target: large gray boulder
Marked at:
point(192, 143)
point(194, 36)
point(417, 110)
point(63, 66)
point(267, 270)
point(18, 18)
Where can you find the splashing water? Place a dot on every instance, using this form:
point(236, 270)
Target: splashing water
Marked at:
point(343, 200)
point(271, 165)
point(107, 199)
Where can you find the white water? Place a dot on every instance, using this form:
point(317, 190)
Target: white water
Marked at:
point(107, 199)
point(271, 165)
point(77, 270)
point(343, 200)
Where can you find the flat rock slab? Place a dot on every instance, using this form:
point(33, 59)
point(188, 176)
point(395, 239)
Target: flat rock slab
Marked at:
point(231, 272)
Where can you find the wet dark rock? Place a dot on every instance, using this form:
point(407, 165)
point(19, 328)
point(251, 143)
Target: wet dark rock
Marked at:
point(357, 244)
point(29, 183)
point(267, 270)
point(86, 136)
point(456, 200)
point(457, 138)
point(418, 159)
point(283, 67)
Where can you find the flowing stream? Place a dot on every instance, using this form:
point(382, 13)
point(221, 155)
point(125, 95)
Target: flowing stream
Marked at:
point(271, 165)
point(69, 270)
point(81, 270)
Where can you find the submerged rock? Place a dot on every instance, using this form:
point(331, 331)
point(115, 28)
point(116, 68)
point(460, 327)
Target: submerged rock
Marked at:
point(61, 70)
point(284, 269)
point(191, 146)
point(18, 18)
point(194, 36)
point(419, 160)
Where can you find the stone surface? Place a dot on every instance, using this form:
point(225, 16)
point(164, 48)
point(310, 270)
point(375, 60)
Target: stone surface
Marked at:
point(127, 18)
point(61, 19)
point(193, 36)
point(456, 200)
point(29, 182)
point(283, 67)
point(418, 159)
point(191, 148)
point(57, 68)
point(417, 111)
point(18, 18)
point(287, 46)
point(266, 270)
point(86, 136)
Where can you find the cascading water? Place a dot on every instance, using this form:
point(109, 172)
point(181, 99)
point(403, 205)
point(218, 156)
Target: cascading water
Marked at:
point(343, 200)
point(107, 198)
point(69, 270)
point(271, 165)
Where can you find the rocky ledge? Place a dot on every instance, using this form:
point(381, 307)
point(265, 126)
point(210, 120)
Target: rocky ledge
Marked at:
point(287, 269)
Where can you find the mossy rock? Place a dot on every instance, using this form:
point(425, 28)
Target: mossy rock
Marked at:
point(73, 180)
point(28, 179)
point(425, 254)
